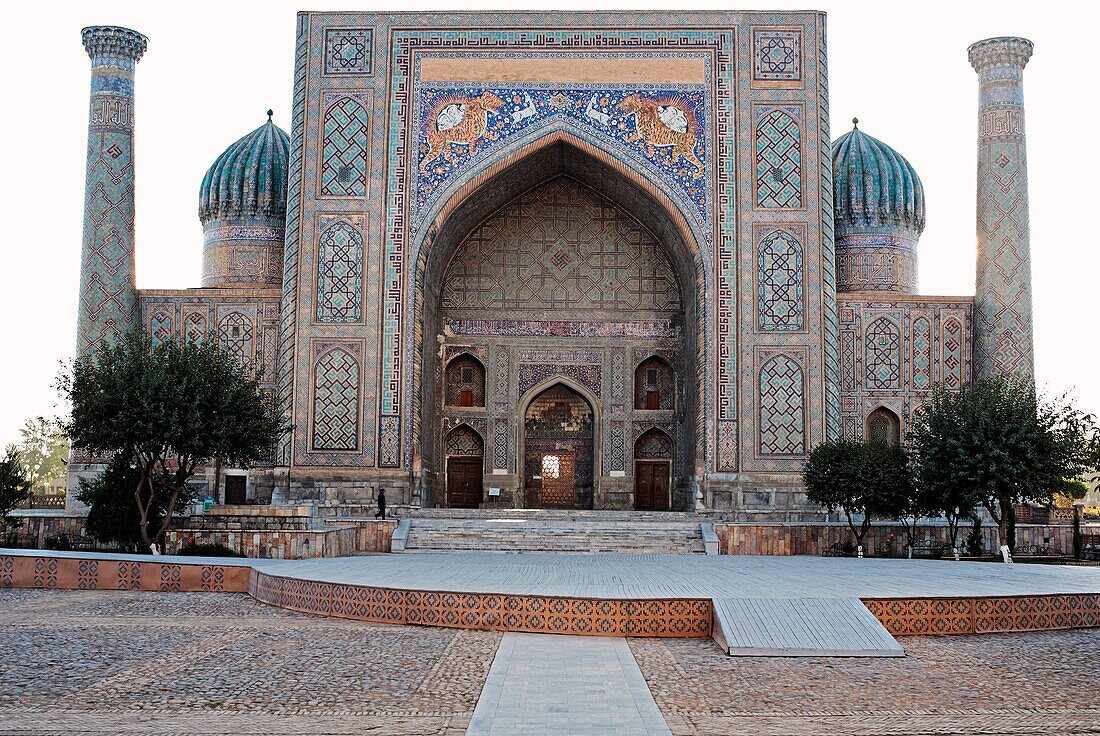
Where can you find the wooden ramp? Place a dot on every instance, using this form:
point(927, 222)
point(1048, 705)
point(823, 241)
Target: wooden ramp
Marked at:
point(800, 627)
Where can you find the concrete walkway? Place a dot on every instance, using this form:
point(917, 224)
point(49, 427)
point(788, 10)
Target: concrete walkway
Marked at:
point(585, 685)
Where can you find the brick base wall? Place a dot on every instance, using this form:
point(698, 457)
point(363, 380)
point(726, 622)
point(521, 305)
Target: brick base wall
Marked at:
point(333, 541)
point(881, 539)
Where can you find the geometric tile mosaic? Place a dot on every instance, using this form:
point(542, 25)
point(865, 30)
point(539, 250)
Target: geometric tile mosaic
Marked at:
point(348, 51)
point(336, 401)
point(882, 355)
point(778, 158)
point(782, 407)
point(345, 146)
point(340, 274)
point(779, 283)
point(776, 55)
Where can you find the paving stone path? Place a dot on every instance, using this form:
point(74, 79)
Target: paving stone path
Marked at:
point(1035, 683)
point(585, 685)
point(210, 664)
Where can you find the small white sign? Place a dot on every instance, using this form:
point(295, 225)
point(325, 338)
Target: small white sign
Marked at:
point(494, 491)
point(500, 471)
point(618, 473)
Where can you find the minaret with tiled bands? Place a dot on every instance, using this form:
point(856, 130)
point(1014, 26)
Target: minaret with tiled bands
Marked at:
point(108, 295)
point(1002, 295)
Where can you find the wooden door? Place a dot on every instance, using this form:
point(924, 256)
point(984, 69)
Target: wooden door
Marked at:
point(651, 485)
point(235, 486)
point(464, 482)
point(559, 480)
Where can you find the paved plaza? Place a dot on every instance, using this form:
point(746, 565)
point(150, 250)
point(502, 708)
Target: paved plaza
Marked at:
point(115, 662)
point(686, 576)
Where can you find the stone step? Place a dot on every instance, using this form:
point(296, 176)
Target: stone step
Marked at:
point(555, 534)
point(553, 514)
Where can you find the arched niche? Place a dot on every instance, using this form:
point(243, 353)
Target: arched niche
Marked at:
point(486, 193)
point(464, 382)
point(559, 443)
point(464, 449)
point(654, 385)
point(653, 455)
point(883, 426)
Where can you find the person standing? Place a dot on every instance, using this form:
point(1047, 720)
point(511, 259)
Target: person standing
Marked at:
point(381, 504)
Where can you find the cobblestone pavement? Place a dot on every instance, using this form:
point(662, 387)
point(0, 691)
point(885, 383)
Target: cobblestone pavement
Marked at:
point(119, 662)
point(208, 664)
point(1037, 683)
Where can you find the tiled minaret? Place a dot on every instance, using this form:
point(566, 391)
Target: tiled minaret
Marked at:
point(1002, 294)
point(108, 296)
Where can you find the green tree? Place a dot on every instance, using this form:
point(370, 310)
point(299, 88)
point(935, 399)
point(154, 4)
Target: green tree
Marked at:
point(996, 443)
point(975, 543)
point(44, 448)
point(939, 487)
point(1073, 489)
point(168, 408)
point(113, 516)
point(871, 479)
point(15, 485)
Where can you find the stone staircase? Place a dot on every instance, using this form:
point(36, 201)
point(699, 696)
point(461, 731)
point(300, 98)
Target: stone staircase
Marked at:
point(537, 530)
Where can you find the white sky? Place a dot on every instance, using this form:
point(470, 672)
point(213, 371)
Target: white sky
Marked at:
point(213, 68)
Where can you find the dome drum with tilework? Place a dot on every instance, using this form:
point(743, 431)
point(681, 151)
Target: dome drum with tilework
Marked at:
point(242, 206)
point(879, 213)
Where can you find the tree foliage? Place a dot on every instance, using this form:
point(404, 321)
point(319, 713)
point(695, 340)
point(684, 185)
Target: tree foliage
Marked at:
point(996, 443)
point(15, 484)
point(871, 479)
point(113, 516)
point(169, 408)
point(1072, 490)
point(44, 448)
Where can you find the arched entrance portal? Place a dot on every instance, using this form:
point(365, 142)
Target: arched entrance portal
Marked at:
point(559, 274)
point(558, 443)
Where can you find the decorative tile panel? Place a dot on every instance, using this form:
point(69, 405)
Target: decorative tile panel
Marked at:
point(776, 56)
point(782, 405)
point(778, 145)
point(348, 51)
point(780, 278)
point(340, 257)
point(661, 129)
point(336, 387)
point(345, 145)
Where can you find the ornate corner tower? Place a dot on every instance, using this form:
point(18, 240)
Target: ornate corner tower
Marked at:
point(108, 296)
point(1003, 340)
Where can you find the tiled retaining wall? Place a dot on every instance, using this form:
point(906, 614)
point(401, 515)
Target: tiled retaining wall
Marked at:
point(676, 617)
point(987, 615)
point(881, 539)
point(67, 573)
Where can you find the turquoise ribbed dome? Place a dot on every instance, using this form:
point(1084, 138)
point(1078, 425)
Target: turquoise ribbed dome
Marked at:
point(874, 187)
point(249, 178)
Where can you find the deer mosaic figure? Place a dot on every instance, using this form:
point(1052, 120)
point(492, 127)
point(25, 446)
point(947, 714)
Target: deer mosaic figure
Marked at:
point(462, 121)
point(665, 123)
